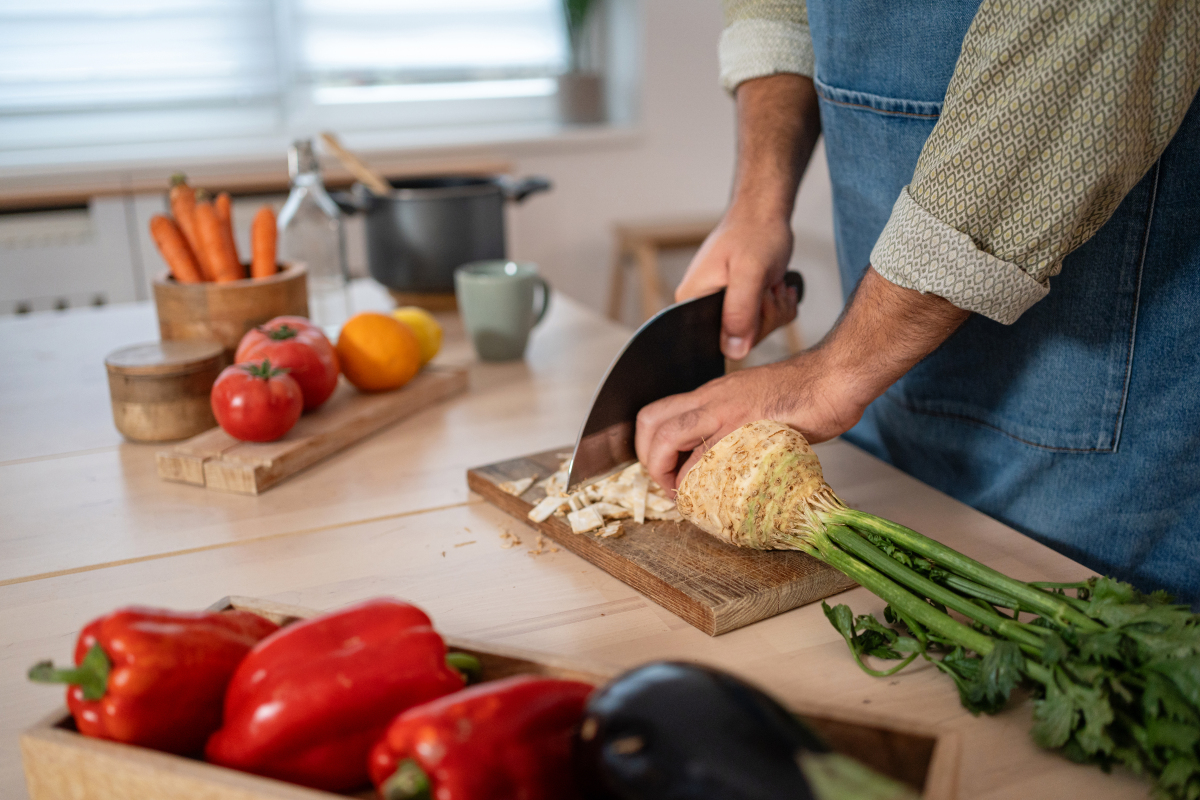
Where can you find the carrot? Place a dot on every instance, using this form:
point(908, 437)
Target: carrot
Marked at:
point(183, 204)
point(224, 206)
point(213, 242)
point(262, 243)
point(175, 251)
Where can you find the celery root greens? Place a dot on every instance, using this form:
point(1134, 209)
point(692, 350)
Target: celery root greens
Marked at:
point(1115, 673)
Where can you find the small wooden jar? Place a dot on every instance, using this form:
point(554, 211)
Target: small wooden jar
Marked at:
point(223, 312)
point(160, 390)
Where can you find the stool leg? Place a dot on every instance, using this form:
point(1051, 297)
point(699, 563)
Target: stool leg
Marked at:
point(616, 292)
point(646, 255)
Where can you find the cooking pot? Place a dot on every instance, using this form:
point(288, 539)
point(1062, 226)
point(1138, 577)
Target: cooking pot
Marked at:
point(427, 227)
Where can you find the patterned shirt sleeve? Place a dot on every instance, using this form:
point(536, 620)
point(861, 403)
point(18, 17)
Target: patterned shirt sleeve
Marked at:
point(1056, 109)
point(764, 37)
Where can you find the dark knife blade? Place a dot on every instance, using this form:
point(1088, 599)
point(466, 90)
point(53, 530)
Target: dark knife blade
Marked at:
point(675, 351)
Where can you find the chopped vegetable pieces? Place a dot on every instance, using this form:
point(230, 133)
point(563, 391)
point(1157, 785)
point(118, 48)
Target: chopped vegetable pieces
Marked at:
point(630, 494)
point(517, 487)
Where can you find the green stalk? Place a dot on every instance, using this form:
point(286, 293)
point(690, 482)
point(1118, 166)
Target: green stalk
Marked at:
point(91, 675)
point(1048, 605)
point(408, 782)
point(911, 579)
point(904, 601)
point(466, 665)
point(987, 594)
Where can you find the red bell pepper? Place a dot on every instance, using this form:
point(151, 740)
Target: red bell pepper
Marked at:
point(307, 703)
point(504, 740)
point(155, 678)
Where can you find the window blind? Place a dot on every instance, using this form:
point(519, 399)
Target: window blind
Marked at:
point(419, 41)
point(78, 73)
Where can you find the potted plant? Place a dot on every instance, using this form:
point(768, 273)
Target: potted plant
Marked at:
point(581, 87)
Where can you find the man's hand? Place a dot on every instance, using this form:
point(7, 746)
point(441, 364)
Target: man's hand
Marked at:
point(822, 392)
point(800, 391)
point(778, 126)
point(749, 257)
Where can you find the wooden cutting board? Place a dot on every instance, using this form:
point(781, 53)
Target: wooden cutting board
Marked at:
point(714, 586)
point(216, 460)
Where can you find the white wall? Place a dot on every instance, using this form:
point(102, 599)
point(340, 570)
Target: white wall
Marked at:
point(682, 164)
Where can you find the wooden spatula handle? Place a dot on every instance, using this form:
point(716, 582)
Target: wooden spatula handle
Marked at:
point(355, 166)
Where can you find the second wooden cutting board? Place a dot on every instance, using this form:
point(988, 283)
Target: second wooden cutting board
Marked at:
point(714, 586)
point(218, 461)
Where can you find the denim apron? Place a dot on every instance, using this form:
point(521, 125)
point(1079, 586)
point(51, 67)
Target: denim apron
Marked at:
point(1080, 424)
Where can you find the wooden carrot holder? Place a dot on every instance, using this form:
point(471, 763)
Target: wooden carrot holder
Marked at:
point(223, 312)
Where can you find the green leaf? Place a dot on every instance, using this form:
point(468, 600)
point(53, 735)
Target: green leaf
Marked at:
point(842, 619)
point(1097, 715)
point(1110, 590)
point(1184, 673)
point(1054, 716)
point(1100, 646)
point(1178, 736)
point(874, 638)
point(867, 636)
point(1054, 650)
point(984, 684)
point(1179, 773)
point(1002, 671)
point(1161, 697)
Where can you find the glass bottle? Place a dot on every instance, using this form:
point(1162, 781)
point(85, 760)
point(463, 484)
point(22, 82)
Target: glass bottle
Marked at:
point(311, 232)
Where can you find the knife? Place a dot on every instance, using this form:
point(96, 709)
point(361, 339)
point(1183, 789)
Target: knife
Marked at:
point(675, 351)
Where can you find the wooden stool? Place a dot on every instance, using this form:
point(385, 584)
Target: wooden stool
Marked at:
point(641, 241)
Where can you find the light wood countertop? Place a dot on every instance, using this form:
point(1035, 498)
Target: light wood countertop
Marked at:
point(88, 526)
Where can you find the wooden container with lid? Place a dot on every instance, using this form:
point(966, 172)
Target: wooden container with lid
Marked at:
point(160, 390)
point(223, 312)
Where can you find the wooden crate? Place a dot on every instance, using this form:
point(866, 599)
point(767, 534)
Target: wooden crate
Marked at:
point(61, 764)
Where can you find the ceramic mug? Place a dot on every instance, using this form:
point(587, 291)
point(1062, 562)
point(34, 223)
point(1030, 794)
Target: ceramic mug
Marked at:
point(496, 300)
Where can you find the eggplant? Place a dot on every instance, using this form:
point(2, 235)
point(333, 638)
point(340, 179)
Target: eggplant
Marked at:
point(677, 731)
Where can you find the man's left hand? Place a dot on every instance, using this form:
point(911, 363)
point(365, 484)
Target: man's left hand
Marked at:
point(792, 391)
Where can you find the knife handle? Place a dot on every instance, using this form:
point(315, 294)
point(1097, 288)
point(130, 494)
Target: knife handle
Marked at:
point(794, 281)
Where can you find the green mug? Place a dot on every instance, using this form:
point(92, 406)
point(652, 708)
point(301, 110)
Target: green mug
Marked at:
point(496, 300)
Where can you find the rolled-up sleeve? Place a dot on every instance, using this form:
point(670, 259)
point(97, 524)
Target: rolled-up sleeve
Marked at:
point(1055, 111)
point(764, 37)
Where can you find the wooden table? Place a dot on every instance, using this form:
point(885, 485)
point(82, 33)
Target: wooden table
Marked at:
point(87, 526)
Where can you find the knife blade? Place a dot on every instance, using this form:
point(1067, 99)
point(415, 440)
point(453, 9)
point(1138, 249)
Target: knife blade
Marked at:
point(675, 351)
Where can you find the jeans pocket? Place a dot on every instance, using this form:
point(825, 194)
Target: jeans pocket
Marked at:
point(865, 101)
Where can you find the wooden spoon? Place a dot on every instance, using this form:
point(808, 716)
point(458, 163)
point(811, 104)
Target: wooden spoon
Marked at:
point(356, 167)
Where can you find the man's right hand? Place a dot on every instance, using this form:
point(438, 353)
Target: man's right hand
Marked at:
point(749, 257)
point(778, 125)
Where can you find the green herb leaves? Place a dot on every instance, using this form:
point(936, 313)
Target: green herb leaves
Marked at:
point(866, 635)
point(1115, 673)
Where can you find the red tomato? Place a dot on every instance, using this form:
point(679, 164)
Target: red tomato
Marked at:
point(256, 402)
point(300, 347)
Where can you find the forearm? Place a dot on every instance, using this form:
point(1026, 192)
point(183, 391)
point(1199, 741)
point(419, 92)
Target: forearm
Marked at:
point(821, 392)
point(1054, 113)
point(778, 124)
point(883, 332)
